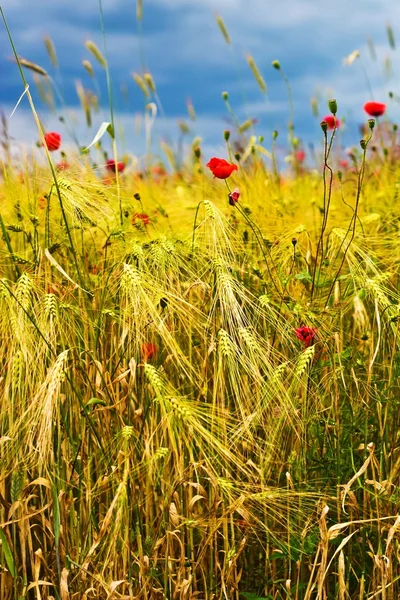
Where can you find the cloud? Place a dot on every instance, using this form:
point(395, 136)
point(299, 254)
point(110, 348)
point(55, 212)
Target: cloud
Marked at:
point(188, 56)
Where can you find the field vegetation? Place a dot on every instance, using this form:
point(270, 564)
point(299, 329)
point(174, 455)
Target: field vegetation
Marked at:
point(199, 375)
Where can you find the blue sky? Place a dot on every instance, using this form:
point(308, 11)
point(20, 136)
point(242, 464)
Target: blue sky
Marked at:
point(188, 57)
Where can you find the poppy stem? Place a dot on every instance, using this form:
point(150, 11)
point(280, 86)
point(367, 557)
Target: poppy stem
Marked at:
point(327, 201)
point(353, 220)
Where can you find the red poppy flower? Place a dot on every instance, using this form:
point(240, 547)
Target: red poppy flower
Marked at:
point(234, 196)
point(148, 350)
point(159, 170)
point(375, 109)
point(344, 163)
point(52, 141)
point(331, 121)
point(220, 167)
point(111, 166)
point(63, 166)
point(306, 335)
point(300, 156)
point(140, 217)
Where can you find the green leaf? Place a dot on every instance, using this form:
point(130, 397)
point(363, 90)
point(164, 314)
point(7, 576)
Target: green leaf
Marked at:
point(304, 276)
point(93, 401)
point(104, 127)
point(8, 554)
point(56, 515)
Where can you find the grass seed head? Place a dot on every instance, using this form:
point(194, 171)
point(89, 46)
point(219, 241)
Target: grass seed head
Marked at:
point(95, 51)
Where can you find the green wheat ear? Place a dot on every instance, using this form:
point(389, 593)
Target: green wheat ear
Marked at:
point(226, 345)
point(304, 361)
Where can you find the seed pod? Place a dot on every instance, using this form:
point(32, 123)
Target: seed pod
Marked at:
point(332, 106)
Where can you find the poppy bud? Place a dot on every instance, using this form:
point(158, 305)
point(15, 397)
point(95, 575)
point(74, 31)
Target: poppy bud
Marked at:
point(227, 135)
point(395, 127)
point(276, 64)
point(340, 175)
point(324, 126)
point(234, 196)
point(260, 139)
point(295, 142)
point(332, 106)
point(294, 241)
point(163, 303)
point(363, 144)
point(225, 96)
point(245, 236)
point(371, 123)
point(391, 94)
point(237, 156)
point(274, 135)
point(197, 152)
point(136, 196)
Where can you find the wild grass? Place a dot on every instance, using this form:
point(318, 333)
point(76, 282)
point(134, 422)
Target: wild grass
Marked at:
point(163, 432)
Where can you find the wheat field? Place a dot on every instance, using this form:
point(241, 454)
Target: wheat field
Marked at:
point(200, 376)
